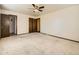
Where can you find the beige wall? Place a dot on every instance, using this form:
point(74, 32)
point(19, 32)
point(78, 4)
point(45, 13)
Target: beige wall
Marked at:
point(22, 21)
point(62, 23)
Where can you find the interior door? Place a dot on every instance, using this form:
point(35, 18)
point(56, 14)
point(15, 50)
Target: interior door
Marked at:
point(4, 25)
point(34, 25)
point(30, 25)
point(38, 25)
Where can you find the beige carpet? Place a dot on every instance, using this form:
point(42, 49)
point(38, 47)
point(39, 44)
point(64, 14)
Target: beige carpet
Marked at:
point(37, 44)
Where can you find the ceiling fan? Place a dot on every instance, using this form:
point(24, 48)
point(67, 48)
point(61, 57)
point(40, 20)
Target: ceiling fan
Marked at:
point(37, 8)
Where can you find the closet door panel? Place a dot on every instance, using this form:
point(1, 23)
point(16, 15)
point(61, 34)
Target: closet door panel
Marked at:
point(5, 25)
point(34, 25)
point(30, 25)
point(38, 25)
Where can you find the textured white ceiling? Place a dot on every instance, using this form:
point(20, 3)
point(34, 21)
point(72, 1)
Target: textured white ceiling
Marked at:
point(28, 8)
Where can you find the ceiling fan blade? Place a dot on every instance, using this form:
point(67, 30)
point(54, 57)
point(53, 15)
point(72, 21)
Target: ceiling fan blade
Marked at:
point(41, 7)
point(40, 10)
point(33, 5)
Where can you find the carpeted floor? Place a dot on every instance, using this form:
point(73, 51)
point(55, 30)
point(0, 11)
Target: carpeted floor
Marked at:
point(37, 44)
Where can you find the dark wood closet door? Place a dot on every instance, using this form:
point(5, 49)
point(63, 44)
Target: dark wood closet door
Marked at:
point(30, 24)
point(4, 25)
point(34, 25)
point(38, 25)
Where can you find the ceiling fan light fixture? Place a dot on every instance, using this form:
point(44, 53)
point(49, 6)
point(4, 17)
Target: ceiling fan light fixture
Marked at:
point(35, 10)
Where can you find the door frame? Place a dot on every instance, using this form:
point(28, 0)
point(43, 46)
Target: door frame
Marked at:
point(9, 20)
point(32, 25)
